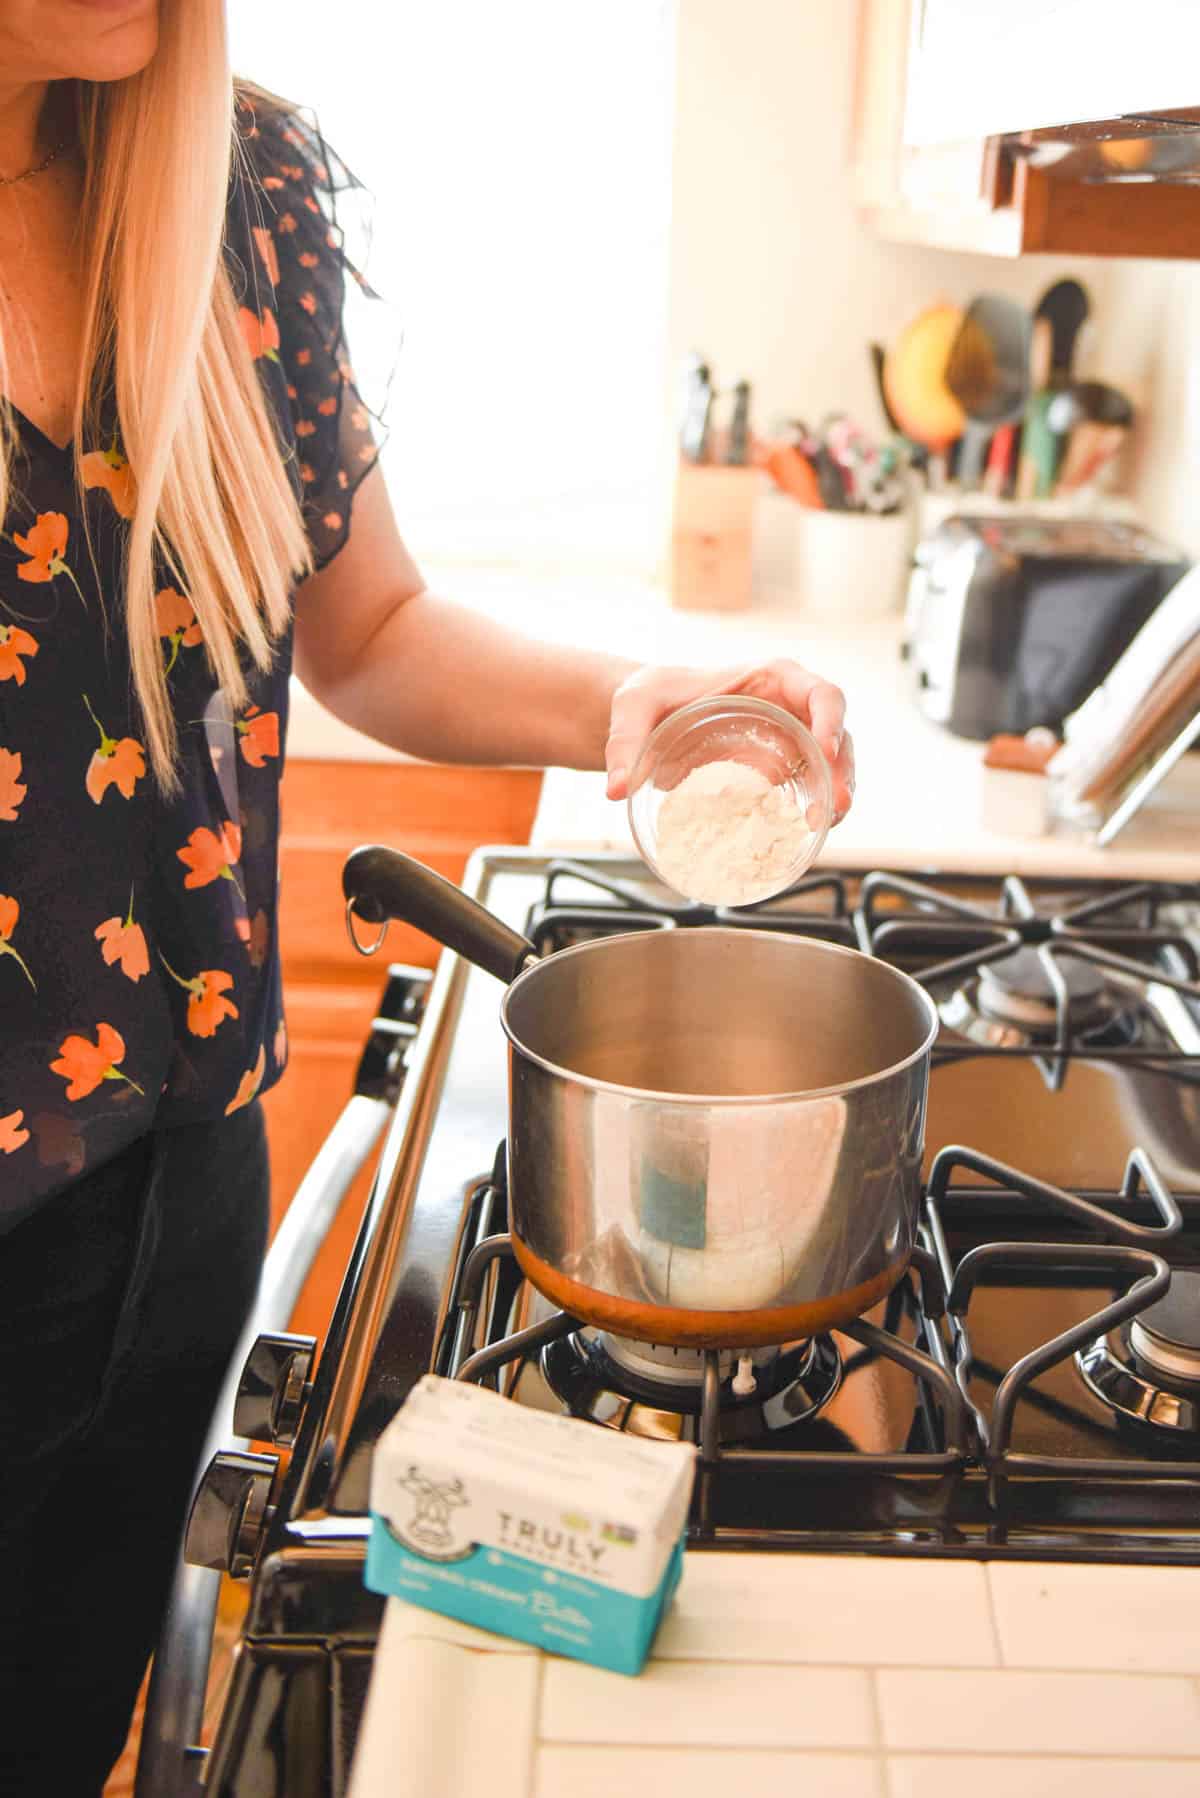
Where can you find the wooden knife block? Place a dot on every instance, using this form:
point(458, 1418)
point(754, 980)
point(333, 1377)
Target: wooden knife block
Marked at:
point(712, 537)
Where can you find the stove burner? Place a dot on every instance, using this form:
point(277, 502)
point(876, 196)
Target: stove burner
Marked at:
point(1018, 990)
point(650, 1390)
point(1150, 1372)
point(1166, 1336)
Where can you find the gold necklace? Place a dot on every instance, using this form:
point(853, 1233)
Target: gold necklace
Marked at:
point(28, 174)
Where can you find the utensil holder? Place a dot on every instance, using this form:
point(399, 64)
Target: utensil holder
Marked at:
point(712, 537)
point(845, 564)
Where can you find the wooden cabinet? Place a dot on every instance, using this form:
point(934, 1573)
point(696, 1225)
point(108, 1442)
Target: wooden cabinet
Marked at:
point(438, 814)
point(970, 113)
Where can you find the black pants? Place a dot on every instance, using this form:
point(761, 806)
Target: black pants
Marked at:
point(120, 1303)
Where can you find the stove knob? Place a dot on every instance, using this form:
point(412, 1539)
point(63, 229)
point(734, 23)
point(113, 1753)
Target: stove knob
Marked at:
point(230, 1513)
point(273, 1388)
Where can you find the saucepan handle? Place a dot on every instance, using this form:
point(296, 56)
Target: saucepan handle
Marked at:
point(383, 883)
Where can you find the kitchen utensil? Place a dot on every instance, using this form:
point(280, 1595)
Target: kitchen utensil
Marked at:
point(755, 734)
point(793, 474)
point(1089, 447)
point(1092, 402)
point(998, 474)
point(1065, 308)
point(1058, 319)
point(715, 1135)
point(987, 371)
point(697, 410)
point(914, 382)
point(737, 450)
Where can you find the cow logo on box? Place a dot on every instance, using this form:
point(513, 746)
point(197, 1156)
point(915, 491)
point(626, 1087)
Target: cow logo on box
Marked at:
point(429, 1531)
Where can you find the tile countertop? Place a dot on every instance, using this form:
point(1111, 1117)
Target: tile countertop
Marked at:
point(845, 1677)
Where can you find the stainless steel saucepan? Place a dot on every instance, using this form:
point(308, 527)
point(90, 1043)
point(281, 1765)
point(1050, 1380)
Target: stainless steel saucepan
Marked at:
point(715, 1135)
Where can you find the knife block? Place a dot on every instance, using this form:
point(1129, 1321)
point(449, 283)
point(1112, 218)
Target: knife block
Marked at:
point(712, 537)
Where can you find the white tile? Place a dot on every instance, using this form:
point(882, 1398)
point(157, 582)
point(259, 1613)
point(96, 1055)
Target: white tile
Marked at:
point(704, 1773)
point(446, 1722)
point(695, 1704)
point(829, 1609)
point(1141, 1618)
point(1002, 1776)
point(999, 1712)
point(410, 1621)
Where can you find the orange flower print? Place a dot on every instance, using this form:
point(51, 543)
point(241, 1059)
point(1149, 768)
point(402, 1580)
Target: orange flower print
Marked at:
point(11, 790)
point(303, 358)
point(309, 303)
point(123, 941)
point(291, 392)
point(45, 543)
point(358, 418)
point(343, 478)
point(279, 1046)
point(11, 1134)
point(307, 473)
point(266, 249)
point(305, 427)
point(176, 621)
point(261, 334)
point(285, 223)
point(210, 855)
point(10, 911)
point(248, 1085)
point(312, 204)
point(15, 643)
point(332, 521)
point(258, 736)
point(328, 406)
point(109, 469)
point(273, 182)
point(119, 762)
point(207, 1008)
point(306, 259)
point(83, 1064)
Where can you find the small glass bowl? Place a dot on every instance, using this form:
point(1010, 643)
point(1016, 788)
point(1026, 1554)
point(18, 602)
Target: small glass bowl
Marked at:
point(731, 728)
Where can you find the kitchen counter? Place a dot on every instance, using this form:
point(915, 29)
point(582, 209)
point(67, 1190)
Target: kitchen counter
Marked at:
point(922, 797)
point(921, 792)
point(842, 1677)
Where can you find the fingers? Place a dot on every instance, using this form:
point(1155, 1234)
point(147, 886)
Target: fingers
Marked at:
point(842, 771)
point(647, 697)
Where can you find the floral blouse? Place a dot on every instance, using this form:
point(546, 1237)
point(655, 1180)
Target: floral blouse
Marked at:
point(139, 964)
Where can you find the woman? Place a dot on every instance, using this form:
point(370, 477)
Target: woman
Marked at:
point(189, 498)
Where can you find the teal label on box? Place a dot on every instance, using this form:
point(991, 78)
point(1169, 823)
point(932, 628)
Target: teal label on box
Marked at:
point(514, 1596)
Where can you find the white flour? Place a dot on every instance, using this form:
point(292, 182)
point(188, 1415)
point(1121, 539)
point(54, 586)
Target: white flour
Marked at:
point(727, 836)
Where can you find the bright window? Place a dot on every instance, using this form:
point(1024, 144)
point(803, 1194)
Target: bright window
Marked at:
point(519, 155)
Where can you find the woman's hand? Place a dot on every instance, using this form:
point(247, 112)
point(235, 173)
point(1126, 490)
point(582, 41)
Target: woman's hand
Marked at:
point(647, 696)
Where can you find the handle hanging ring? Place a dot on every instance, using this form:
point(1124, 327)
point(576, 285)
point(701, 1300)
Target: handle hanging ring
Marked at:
point(364, 948)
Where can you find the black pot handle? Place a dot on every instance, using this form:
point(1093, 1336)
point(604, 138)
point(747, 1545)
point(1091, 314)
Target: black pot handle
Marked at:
point(382, 883)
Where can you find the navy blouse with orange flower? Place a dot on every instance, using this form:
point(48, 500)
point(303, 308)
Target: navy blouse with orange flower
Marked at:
point(139, 970)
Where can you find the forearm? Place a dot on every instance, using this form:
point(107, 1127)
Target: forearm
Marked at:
point(451, 685)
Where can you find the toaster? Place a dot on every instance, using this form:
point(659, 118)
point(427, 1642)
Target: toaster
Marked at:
point(1012, 621)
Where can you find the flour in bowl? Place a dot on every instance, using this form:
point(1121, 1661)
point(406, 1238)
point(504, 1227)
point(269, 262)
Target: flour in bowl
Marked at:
point(727, 836)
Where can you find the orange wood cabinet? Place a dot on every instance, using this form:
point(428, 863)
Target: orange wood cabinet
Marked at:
point(439, 815)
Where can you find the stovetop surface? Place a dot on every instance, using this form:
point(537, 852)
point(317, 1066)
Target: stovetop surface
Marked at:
point(1009, 1091)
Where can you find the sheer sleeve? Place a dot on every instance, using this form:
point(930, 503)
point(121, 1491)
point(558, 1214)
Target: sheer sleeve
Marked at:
point(303, 205)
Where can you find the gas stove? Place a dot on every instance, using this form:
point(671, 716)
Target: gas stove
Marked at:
point(1030, 1389)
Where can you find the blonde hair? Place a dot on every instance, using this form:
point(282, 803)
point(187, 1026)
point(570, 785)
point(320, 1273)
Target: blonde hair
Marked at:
point(214, 509)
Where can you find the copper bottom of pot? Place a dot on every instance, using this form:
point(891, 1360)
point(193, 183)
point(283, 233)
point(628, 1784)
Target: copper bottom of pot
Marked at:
point(686, 1328)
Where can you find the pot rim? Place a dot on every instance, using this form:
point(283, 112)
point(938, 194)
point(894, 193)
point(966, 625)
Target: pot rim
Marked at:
point(652, 1095)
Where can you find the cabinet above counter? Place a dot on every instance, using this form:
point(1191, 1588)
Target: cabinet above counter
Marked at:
point(1013, 126)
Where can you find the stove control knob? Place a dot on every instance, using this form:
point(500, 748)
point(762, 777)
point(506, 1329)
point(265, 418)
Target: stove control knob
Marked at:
point(230, 1513)
point(273, 1388)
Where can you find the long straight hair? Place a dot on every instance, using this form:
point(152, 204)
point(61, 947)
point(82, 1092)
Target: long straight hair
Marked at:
point(215, 512)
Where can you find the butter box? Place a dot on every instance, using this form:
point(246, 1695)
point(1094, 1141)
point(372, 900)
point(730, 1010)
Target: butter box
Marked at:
point(535, 1526)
